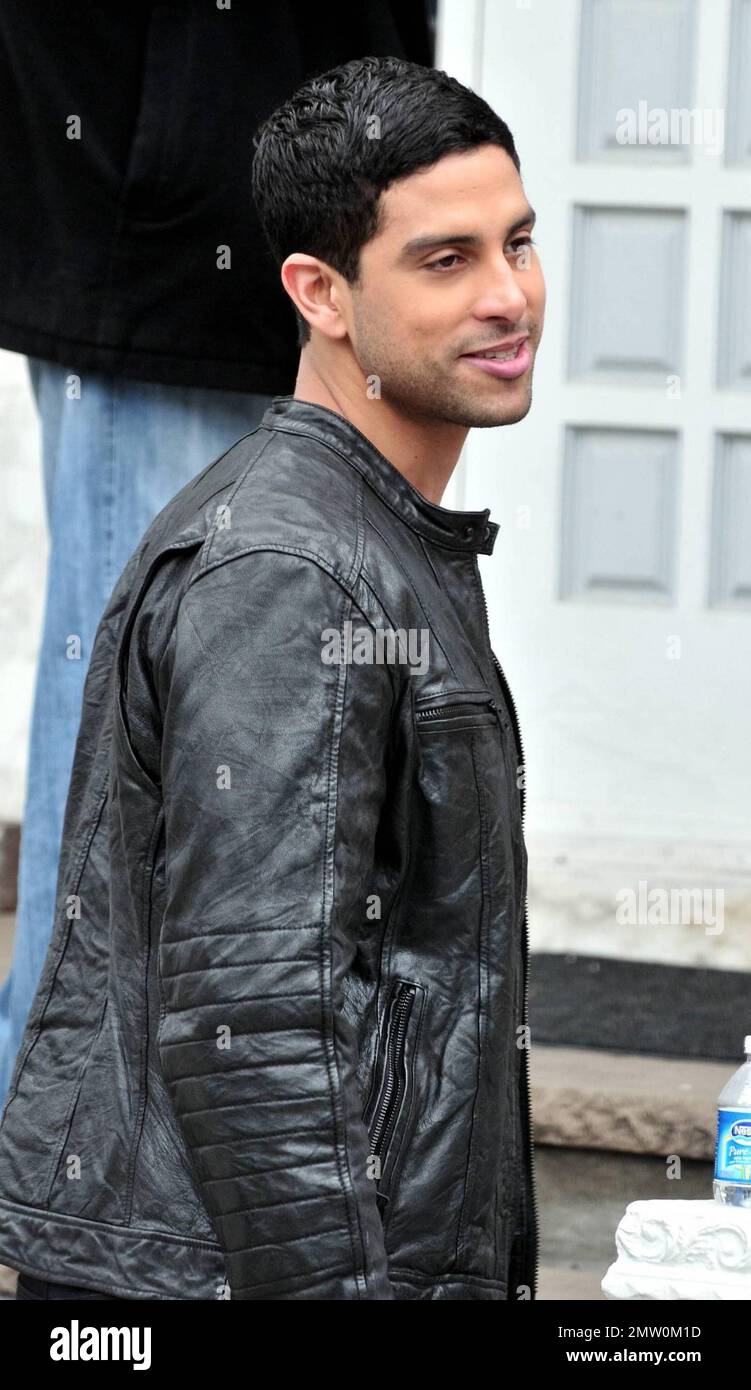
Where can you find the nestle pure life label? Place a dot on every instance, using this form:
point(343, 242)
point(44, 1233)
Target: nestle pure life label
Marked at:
point(732, 1161)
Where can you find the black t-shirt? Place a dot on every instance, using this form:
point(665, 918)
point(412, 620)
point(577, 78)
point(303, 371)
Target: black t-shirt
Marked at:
point(125, 153)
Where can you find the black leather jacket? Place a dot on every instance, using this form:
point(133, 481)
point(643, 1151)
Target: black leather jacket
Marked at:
point(277, 1047)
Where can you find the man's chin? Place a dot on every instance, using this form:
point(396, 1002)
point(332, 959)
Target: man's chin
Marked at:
point(487, 414)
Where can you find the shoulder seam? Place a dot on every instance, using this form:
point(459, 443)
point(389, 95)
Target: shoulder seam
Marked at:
point(204, 558)
point(347, 585)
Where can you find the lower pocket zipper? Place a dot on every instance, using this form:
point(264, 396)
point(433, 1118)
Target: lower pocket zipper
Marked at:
point(392, 1094)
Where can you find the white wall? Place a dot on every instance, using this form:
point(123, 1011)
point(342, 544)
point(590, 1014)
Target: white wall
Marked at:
point(22, 575)
point(633, 691)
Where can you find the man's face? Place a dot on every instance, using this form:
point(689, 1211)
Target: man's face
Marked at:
point(451, 273)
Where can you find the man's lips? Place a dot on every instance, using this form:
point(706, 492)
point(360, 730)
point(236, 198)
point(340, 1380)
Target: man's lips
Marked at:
point(510, 368)
point(505, 345)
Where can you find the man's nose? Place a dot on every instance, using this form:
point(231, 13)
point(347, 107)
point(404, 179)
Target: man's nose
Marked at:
point(503, 295)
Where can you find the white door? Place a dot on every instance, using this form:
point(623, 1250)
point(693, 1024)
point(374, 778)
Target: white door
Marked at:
point(620, 586)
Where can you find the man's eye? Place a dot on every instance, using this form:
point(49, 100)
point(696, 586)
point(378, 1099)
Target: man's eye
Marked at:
point(452, 256)
point(521, 241)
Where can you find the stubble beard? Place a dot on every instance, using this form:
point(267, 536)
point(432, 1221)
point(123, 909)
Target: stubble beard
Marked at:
point(432, 392)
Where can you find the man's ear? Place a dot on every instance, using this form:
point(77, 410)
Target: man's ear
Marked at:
point(314, 290)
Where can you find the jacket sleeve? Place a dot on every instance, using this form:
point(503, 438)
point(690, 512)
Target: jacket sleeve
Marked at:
point(273, 775)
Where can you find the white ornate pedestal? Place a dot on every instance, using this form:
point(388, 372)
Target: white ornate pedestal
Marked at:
point(676, 1250)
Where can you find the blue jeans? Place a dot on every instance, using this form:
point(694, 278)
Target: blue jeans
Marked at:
point(112, 459)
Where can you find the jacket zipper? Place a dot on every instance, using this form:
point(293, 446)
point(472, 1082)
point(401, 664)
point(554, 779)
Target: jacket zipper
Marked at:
point(525, 1012)
point(436, 711)
point(393, 1090)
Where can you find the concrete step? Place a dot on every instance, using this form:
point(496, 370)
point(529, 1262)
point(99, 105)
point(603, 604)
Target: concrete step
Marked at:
point(625, 1102)
point(582, 1195)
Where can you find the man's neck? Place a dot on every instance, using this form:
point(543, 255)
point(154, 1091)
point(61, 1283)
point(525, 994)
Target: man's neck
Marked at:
point(424, 451)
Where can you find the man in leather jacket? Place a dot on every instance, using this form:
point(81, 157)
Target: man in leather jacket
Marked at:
point(279, 1049)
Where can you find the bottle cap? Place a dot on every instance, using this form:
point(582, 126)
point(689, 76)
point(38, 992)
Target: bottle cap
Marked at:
point(747, 1043)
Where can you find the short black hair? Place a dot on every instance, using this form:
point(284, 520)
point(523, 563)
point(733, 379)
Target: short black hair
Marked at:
point(323, 158)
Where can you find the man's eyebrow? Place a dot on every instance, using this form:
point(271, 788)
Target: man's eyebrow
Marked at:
point(430, 243)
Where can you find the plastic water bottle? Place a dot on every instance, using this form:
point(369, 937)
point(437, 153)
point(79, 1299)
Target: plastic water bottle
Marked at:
point(732, 1162)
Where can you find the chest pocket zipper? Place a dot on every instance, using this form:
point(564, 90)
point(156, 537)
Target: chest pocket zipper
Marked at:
point(457, 711)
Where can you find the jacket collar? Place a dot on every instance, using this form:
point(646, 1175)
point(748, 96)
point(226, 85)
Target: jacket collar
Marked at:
point(469, 531)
